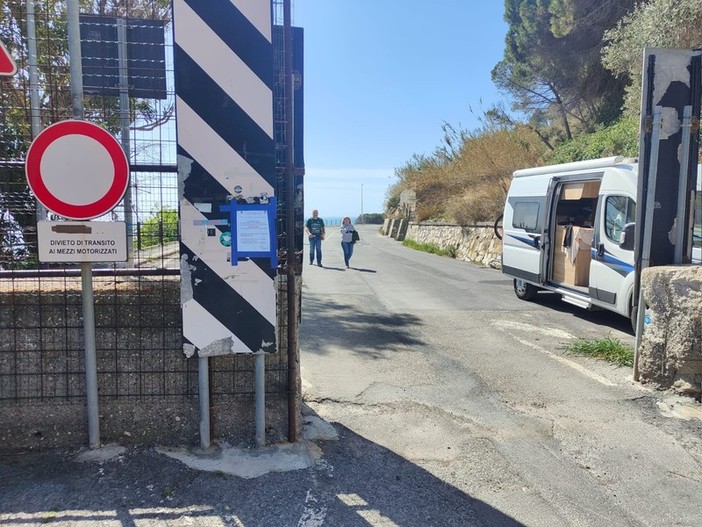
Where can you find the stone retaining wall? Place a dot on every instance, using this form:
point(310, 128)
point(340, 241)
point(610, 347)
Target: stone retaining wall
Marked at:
point(472, 243)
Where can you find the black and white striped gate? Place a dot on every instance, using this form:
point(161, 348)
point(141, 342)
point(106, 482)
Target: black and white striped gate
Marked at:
point(226, 162)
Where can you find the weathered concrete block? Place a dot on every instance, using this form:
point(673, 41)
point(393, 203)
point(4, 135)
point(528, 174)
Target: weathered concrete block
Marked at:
point(402, 230)
point(670, 350)
point(394, 228)
point(386, 226)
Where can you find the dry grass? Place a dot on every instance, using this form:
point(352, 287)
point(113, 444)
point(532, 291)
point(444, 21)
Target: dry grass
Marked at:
point(469, 184)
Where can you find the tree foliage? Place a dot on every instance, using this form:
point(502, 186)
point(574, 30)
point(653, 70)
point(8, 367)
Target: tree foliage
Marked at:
point(621, 138)
point(551, 66)
point(572, 72)
point(160, 228)
point(13, 249)
point(52, 91)
point(655, 24)
point(372, 218)
point(53, 69)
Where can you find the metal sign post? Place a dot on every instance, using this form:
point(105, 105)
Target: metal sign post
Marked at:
point(78, 170)
point(668, 149)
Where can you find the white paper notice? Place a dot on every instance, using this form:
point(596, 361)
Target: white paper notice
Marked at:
point(252, 231)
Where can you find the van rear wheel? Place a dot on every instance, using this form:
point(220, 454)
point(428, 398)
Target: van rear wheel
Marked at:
point(524, 290)
point(497, 227)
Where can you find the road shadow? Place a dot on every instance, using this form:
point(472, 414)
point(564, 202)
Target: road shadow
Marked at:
point(601, 317)
point(361, 332)
point(359, 269)
point(371, 485)
point(362, 270)
point(354, 483)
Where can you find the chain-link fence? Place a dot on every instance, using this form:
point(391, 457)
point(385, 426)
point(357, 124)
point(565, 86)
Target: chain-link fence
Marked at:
point(127, 77)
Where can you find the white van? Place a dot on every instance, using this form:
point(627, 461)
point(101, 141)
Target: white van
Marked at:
point(562, 227)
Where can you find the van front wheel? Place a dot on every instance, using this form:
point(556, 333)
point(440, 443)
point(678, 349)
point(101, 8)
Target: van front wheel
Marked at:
point(524, 290)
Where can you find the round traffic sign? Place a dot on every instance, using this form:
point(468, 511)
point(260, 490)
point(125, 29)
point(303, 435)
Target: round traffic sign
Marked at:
point(77, 170)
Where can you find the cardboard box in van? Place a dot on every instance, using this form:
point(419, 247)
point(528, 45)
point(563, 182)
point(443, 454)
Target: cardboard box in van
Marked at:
point(588, 189)
point(571, 265)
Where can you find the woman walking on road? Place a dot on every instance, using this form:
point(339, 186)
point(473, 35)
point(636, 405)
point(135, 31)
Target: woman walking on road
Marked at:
point(348, 238)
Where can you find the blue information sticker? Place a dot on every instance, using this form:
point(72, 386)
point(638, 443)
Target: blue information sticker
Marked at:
point(226, 239)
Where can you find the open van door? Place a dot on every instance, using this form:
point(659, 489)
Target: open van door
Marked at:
point(572, 201)
point(547, 232)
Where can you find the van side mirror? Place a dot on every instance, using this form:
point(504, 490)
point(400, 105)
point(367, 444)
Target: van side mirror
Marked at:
point(626, 238)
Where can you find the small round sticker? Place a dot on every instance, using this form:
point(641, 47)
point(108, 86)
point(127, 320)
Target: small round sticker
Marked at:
point(226, 239)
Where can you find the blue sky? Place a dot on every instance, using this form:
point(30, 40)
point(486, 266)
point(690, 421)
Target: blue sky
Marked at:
point(380, 79)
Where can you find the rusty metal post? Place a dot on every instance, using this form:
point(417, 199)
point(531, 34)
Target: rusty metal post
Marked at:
point(293, 365)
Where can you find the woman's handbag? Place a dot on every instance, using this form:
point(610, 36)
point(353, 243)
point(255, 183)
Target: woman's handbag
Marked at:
point(355, 237)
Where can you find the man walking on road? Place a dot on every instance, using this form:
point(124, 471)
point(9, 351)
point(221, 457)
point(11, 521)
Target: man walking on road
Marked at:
point(315, 231)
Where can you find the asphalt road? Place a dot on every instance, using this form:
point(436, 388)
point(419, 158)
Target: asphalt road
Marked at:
point(433, 397)
point(437, 361)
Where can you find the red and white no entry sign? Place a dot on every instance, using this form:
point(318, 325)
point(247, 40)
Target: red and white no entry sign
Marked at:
point(7, 64)
point(77, 170)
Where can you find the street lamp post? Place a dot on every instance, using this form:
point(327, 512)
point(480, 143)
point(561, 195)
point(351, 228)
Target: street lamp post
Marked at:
point(361, 202)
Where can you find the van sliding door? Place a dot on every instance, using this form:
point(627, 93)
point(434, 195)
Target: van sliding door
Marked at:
point(548, 229)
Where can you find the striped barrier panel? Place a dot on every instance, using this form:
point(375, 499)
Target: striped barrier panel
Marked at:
point(226, 159)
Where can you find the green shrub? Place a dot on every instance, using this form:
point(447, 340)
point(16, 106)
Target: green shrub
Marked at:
point(431, 248)
point(372, 218)
point(607, 349)
point(622, 138)
point(160, 228)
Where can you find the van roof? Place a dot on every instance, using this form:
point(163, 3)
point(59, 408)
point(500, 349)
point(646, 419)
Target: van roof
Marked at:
point(577, 165)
